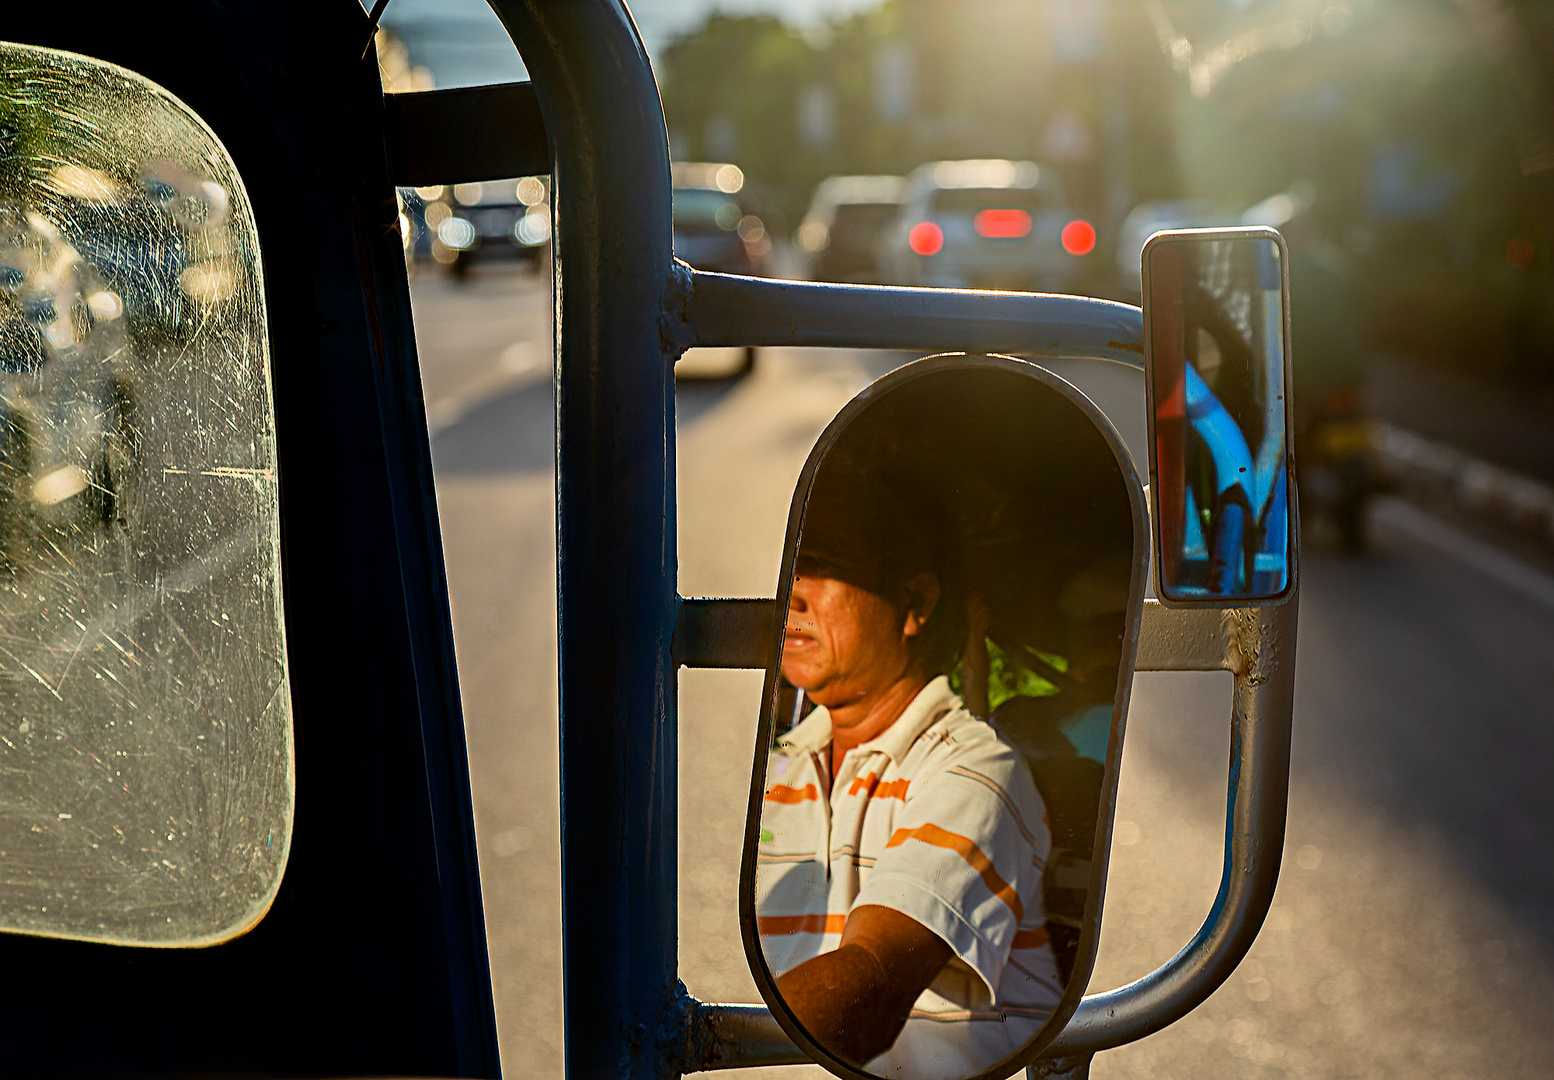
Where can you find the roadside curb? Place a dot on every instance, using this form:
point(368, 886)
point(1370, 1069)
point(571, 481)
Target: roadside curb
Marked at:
point(1439, 473)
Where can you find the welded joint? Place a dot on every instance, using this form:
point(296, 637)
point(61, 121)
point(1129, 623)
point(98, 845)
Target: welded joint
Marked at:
point(675, 331)
point(735, 1037)
point(1076, 1067)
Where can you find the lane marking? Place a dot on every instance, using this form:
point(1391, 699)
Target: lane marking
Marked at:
point(1447, 539)
point(519, 364)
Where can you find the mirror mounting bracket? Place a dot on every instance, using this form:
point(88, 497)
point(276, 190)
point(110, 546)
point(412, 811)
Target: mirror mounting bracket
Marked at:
point(736, 1037)
point(1257, 646)
point(1198, 639)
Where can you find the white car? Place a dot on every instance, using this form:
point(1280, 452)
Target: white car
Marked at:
point(840, 233)
point(985, 224)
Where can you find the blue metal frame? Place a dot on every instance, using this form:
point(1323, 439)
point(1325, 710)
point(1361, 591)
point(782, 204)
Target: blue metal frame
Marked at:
point(615, 494)
point(372, 960)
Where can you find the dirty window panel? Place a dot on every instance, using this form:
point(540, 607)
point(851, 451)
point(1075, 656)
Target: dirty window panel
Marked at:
point(145, 717)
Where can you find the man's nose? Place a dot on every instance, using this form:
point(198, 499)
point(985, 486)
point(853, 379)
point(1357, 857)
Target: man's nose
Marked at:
point(798, 599)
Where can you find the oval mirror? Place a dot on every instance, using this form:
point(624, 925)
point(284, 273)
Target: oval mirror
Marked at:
point(937, 759)
point(1217, 360)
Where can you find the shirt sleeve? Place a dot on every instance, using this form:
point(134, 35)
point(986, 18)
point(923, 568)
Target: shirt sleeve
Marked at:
point(966, 856)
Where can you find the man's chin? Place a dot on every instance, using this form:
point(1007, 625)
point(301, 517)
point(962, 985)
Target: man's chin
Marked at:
point(803, 678)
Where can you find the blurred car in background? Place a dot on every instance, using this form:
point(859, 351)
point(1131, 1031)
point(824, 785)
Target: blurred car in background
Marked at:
point(715, 230)
point(713, 226)
point(497, 218)
point(840, 233)
point(985, 224)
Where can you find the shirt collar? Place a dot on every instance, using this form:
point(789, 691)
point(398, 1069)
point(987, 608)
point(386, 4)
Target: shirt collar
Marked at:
point(932, 701)
point(812, 733)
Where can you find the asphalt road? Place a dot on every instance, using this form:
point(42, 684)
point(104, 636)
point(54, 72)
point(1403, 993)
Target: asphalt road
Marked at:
point(1413, 930)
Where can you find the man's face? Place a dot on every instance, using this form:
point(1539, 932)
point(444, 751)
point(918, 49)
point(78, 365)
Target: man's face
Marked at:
point(843, 643)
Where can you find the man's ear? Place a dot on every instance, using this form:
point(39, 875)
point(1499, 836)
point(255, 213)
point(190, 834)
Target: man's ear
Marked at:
point(922, 597)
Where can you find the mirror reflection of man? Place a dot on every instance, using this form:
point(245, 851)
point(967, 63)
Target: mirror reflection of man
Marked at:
point(902, 841)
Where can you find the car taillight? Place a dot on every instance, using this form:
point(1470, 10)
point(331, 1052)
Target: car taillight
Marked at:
point(926, 238)
point(1002, 224)
point(1079, 237)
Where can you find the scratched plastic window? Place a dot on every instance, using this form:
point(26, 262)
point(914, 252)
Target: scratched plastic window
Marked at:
point(145, 717)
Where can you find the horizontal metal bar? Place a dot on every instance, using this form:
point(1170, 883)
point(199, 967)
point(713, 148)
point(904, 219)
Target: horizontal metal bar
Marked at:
point(1187, 639)
point(725, 309)
point(736, 1037)
point(725, 633)
point(466, 134)
point(1260, 651)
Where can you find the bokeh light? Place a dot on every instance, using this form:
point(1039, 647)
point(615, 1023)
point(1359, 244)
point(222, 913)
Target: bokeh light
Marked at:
point(926, 238)
point(1079, 237)
point(1002, 224)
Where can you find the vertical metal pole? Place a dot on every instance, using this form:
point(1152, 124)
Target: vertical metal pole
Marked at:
point(616, 533)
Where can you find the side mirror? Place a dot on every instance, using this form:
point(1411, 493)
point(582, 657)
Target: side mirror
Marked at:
point(937, 761)
point(1216, 340)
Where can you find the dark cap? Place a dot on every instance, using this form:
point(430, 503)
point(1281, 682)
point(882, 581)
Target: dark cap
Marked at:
point(859, 530)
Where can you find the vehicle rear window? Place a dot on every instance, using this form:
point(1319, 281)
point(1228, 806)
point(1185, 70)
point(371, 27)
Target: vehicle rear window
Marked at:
point(699, 208)
point(975, 200)
point(146, 779)
point(864, 215)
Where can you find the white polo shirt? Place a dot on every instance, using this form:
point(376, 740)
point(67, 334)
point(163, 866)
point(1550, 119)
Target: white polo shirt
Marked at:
point(938, 819)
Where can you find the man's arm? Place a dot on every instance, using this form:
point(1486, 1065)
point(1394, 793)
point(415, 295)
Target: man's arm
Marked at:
point(854, 1001)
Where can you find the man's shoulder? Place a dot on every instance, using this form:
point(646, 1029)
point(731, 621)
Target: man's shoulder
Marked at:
point(957, 738)
point(959, 728)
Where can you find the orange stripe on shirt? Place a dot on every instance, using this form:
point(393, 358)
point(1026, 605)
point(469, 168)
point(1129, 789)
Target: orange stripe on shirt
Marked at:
point(773, 925)
point(1030, 939)
point(782, 793)
point(872, 788)
point(930, 833)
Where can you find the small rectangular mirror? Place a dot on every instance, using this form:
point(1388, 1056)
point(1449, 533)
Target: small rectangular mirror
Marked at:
point(1216, 341)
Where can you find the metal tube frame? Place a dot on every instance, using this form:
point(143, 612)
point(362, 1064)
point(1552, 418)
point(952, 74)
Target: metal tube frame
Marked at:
point(625, 311)
point(1257, 646)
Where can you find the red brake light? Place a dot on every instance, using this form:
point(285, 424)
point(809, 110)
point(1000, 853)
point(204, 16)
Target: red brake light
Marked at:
point(926, 238)
point(1079, 237)
point(1002, 224)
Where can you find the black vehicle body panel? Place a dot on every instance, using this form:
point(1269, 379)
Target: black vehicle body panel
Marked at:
point(372, 959)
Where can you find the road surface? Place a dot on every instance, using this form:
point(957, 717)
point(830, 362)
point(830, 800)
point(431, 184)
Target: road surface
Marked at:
point(1413, 930)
